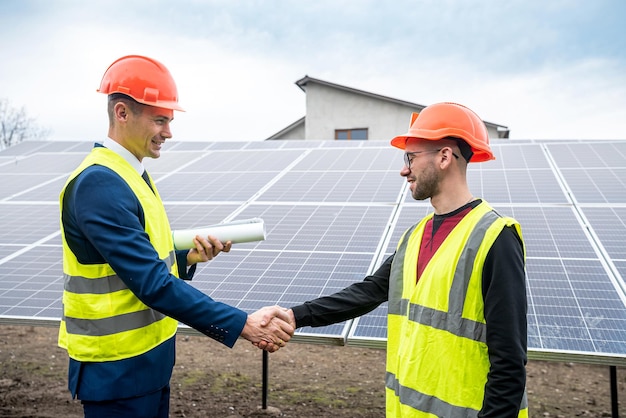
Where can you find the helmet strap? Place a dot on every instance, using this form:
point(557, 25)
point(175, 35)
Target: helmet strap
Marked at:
point(466, 150)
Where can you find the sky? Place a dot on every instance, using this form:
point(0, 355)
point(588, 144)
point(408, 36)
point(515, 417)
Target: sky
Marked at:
point(551, 69)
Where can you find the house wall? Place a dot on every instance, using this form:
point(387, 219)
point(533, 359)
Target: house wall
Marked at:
point(492, 131)
point(329, 108)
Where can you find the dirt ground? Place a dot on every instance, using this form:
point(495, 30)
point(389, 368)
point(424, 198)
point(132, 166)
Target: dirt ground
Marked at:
point(304, 381)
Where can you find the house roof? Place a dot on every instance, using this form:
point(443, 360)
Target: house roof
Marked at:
point(292, 126)
point(306, 79)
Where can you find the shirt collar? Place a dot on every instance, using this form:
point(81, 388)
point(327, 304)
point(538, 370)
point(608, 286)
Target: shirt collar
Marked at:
point(125, 154)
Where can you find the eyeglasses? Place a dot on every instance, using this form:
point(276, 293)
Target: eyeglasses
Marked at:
point(409, 156)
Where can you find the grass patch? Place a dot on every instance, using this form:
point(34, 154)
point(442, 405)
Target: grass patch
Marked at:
point(231, 382)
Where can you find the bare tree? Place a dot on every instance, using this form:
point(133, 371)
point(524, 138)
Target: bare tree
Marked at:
point(16, 126)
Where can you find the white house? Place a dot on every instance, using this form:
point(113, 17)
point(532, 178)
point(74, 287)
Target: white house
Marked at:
point(338, 112)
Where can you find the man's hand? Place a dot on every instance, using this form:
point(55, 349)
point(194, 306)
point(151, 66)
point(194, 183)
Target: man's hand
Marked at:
point(267, 319)
point(206, 249)
point(268, 328)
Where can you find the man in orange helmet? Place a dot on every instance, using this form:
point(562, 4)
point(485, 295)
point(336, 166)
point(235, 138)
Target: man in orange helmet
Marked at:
point(123, 294)
point(455, 287)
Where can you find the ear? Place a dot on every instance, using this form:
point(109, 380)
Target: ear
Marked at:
point(121, 111)
point(446, 158)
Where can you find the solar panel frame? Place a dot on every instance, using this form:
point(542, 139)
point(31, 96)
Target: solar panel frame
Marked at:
point(334, 210)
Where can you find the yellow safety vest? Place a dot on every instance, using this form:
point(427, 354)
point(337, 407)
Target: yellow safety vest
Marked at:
point(102, 319)
point(437, 359)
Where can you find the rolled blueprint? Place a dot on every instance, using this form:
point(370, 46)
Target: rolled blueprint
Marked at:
point(245, 230)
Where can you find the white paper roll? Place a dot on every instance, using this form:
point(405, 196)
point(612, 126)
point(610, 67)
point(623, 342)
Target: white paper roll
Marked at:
point(245, 230)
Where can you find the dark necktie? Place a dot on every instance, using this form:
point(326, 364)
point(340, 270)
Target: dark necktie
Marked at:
point(147, 179)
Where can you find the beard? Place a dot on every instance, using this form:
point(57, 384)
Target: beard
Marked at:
point(426, 184)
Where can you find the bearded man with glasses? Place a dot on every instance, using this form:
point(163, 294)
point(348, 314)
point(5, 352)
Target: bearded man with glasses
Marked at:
point(455, 287)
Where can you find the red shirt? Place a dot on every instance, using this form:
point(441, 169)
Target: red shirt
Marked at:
point(435, 232)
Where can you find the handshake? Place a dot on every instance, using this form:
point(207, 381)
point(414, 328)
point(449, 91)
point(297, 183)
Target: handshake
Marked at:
point(269, 328)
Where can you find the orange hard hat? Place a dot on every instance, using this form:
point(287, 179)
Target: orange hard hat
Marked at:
point(144, 79)
point(443, 120)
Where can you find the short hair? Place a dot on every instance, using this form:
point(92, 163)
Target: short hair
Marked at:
point(133, 105)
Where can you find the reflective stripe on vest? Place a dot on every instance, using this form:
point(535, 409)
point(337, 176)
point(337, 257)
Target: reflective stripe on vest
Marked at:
point(406, 400)
point(423, 402)
point(100, 286)
point(110, 325)
point(409, 396)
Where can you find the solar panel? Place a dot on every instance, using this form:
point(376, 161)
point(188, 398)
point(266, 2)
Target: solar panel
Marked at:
point(27, 224)
point(594, 172)
point(334, 210)
point(589, 154)
point(30, 284)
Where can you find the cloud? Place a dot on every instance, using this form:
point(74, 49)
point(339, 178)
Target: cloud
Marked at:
point(532, 67)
